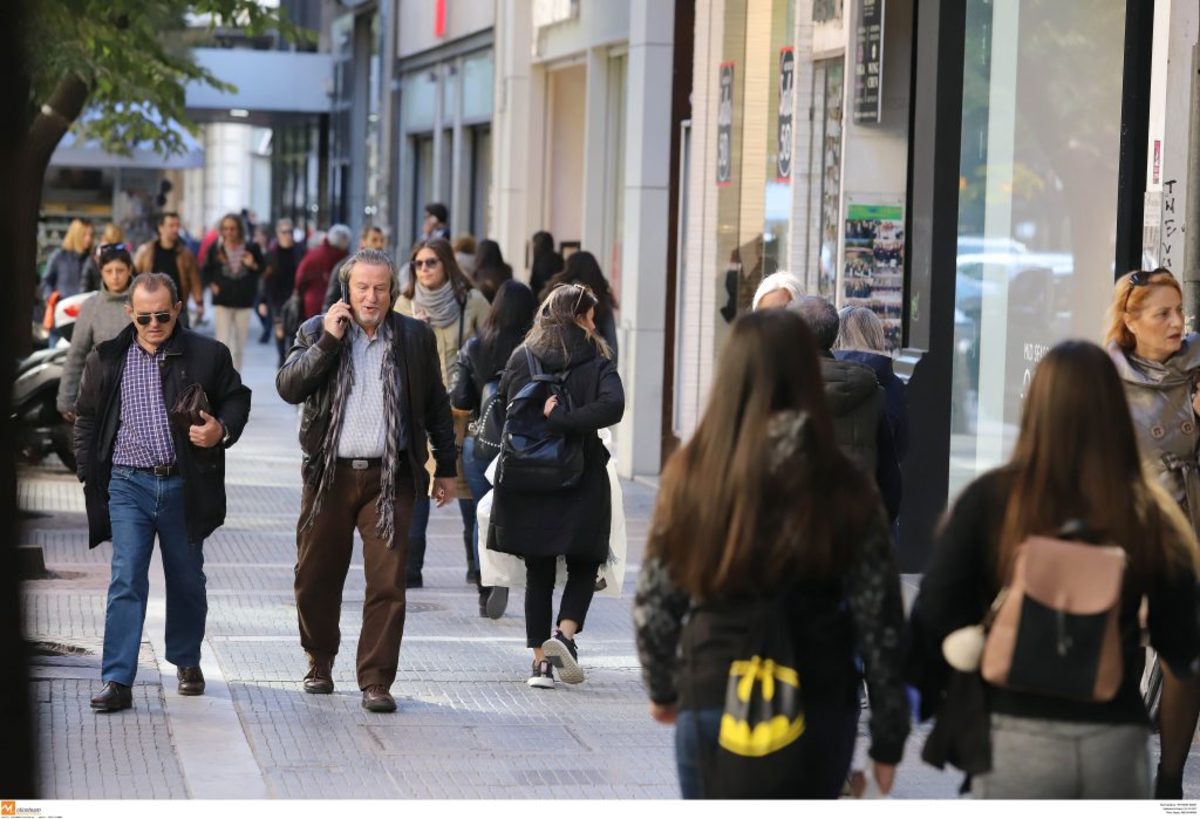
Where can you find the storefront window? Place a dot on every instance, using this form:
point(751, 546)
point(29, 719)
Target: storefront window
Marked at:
point(829, 83)
point(1037, 204)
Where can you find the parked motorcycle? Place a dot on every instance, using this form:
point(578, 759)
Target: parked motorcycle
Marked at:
point(40, 428)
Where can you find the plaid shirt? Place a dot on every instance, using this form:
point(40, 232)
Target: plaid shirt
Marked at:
point(362, 434)
point(144, 436)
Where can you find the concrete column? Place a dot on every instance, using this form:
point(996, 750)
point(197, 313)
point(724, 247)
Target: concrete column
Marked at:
point(511, 142)
point(806, 128)
point(595, 153)
point(439, 183)
point(647, 181)
point(386, 171)
point(459, 200)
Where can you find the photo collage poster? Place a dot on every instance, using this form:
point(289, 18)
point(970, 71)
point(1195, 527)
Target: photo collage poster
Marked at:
point(873, 270)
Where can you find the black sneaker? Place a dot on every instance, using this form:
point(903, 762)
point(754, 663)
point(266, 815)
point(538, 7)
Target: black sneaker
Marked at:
point(497, 602)
point(542, 676)
point(562, 654)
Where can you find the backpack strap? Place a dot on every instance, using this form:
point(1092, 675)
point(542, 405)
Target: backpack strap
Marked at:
point(538, 373)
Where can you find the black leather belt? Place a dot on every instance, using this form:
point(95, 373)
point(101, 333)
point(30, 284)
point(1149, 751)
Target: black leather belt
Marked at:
point(163, 471)
point(359, 464)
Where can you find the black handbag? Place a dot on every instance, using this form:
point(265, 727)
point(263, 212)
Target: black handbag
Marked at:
point(186, 411)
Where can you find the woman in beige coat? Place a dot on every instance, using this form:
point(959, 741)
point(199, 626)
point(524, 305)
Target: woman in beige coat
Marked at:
point(439, 294)
point(1160, 368)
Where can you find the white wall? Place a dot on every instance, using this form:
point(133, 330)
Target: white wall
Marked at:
point(463, 17)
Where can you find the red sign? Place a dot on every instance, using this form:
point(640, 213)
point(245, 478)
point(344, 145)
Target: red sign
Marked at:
point(439, 18)
point(1157, 162)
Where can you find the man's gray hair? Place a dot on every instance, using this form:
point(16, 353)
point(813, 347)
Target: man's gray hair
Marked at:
point(284, 224)
point(340, 237)
point(151, 282)
point(821, 318)
point(375, 258)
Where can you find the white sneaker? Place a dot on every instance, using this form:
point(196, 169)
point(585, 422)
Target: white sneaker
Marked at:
point(543, 675)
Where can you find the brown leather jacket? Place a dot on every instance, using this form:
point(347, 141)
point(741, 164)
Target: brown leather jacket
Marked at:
point(189, 271)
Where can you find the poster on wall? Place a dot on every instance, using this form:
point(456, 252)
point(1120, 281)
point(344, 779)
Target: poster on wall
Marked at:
point(725, 126)
point(787, 104)
point(868, 66)
point(873, 270)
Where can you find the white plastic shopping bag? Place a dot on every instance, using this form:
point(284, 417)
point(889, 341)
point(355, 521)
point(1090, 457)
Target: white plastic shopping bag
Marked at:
point(500, 569)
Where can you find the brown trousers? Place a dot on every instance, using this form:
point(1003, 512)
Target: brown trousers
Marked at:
point(323, 558)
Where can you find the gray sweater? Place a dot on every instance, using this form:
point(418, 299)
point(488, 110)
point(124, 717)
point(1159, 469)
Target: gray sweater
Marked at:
point(100, 318)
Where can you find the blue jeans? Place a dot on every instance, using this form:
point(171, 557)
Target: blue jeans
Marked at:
point(142, 506)
point(829, 738)
point(473, 469)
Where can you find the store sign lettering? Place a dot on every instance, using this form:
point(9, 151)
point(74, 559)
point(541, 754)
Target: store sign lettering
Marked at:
point(868, 67)
point(725, 126)
point(787, 105)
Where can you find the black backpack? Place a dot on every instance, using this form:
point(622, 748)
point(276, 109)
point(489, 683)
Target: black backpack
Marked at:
point(488, 428)
point(532, 458)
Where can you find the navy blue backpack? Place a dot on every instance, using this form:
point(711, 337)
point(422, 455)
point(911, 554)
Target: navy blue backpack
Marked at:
point(532, 458)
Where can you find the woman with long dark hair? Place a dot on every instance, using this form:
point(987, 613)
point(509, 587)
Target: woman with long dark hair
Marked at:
point(582, 268)
point(760, 505)
point(440, 294)
point(573, 523)
point(474, 382)
point(546, 261)
point(491, 271)
point(1160, 367)
point(1076, 461)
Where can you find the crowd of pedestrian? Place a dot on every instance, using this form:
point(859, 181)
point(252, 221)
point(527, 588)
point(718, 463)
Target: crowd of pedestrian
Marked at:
point(768, 610)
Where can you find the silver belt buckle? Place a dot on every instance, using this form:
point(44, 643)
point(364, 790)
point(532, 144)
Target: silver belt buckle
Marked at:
point(359, 464)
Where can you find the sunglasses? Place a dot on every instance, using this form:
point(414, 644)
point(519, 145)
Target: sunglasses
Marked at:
point(428, 264)
point(114, 246)
point(1141, 278)
point(144, 319)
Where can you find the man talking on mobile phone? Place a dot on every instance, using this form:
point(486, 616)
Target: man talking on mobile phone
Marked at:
point(371, 385)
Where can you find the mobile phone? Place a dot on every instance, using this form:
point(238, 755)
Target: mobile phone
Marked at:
point(345, 299)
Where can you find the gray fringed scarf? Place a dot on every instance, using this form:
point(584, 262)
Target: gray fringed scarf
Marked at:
point(441, 306)
point(386, 505)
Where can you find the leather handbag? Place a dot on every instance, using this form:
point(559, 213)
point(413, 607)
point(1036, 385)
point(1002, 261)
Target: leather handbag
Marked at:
point(186, 411)
point(1055, 631)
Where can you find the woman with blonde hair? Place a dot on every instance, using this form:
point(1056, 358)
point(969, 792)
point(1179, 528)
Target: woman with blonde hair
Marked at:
point(861, 338)
point(575, 522)
point(1076, 462)
point(761, 508)
point(64, 270)
point(1160, 368)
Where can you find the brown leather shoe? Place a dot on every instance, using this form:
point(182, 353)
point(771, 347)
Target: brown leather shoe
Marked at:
point(113, 697)
point(376, 698)
point(319, 679)
point(191, 681)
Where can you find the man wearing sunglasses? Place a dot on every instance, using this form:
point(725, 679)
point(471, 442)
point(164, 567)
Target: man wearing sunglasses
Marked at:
point(148, 474)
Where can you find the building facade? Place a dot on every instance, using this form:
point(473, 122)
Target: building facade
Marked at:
point(976, 174)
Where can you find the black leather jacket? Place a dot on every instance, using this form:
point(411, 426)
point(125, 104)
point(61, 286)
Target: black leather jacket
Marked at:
point(190, 359)
point(309, 374)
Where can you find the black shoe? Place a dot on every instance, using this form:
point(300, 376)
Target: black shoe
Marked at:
point(414, 581)
point(1169, 788)
point(319, 679)
point(473, 577)
point(191, 681)
point(497, 602)
point(542, 676)
point(113, 697)
point(563, 655)
point(376, 698)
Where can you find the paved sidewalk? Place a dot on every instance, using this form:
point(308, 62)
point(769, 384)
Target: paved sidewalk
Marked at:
point(467, 725)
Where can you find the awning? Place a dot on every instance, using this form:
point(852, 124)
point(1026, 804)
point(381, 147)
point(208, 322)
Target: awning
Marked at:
point(75, 153)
